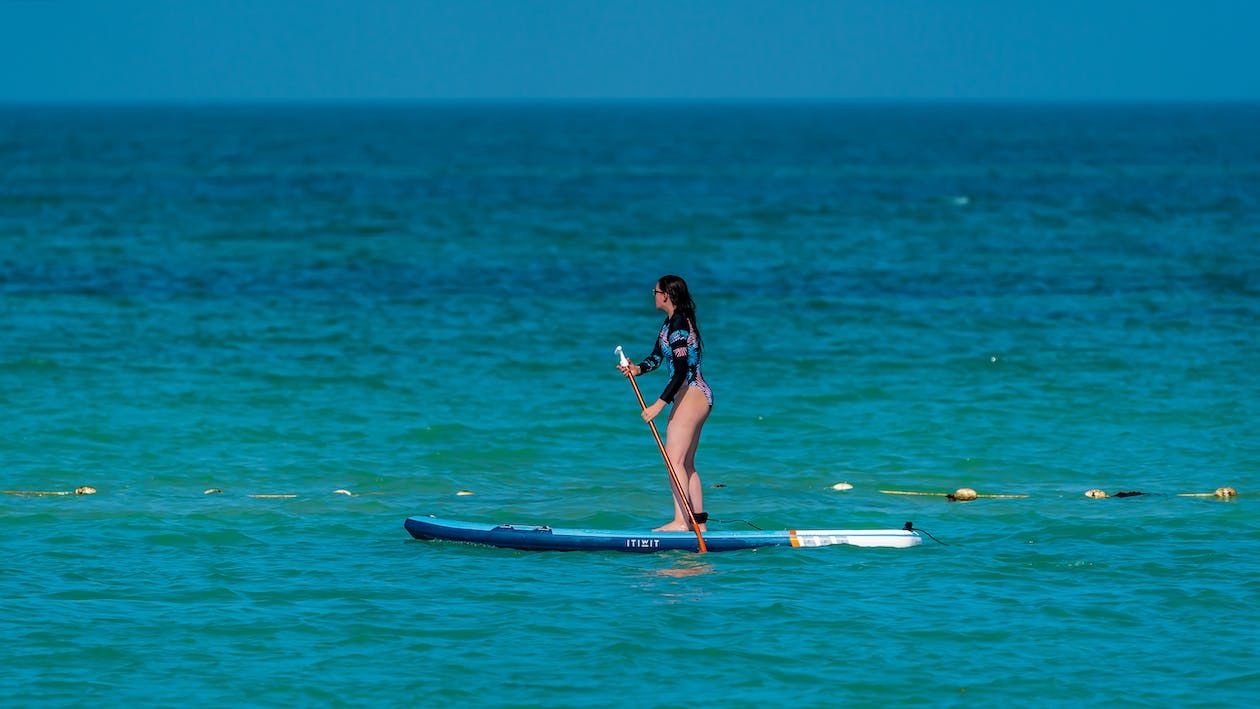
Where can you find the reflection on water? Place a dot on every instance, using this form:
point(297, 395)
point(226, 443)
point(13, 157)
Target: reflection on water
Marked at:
point(685, 566)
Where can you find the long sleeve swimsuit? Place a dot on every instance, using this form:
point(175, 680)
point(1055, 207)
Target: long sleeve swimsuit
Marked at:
point(679, 348)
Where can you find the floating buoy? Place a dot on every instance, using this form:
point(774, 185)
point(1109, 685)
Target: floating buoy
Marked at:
point(84, 490)
point(212, 491)
point(962, 494)
point(842, 486)
point(1095, 494)
point(462, 493)
point(343, 492)
point(1223, 493)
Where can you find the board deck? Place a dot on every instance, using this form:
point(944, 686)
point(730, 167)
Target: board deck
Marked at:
point(544, 538)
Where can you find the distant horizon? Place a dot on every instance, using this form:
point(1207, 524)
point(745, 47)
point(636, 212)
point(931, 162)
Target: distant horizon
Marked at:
point(544, 101)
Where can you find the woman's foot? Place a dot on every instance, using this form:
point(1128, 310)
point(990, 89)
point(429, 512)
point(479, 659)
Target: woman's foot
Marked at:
point(684, 525)
point(674, 526)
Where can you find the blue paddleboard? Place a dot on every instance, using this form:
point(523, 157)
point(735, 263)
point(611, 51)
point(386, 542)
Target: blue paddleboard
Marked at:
point(544, 538)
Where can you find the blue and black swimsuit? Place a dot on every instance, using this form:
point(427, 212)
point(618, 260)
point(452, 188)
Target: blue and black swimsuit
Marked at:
point(678, 338)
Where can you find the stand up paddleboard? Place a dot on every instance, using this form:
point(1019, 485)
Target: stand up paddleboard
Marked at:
point(543, 538)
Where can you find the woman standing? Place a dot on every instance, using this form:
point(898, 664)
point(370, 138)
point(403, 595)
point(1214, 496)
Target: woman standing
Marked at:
point(678, 345)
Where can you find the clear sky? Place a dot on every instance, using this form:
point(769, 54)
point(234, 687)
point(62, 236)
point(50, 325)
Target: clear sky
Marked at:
point(284, 50)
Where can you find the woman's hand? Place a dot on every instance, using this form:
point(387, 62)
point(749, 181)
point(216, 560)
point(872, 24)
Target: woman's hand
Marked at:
point(630, 370)
point(650, 412)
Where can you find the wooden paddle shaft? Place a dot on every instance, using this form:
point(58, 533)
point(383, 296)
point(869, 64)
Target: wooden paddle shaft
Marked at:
point(677, 483)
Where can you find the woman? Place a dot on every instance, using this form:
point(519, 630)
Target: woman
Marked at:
point(678, 345)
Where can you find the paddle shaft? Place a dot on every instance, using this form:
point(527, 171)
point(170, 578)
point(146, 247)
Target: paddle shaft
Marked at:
point(679, 488)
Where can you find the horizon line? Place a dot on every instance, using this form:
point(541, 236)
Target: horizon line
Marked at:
point(598, 100)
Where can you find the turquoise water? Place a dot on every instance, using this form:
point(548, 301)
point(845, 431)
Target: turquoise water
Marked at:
point(410, 301)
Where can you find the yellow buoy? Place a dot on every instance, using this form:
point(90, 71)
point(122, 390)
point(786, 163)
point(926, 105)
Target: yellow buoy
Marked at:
point(84, 490)
point(1223, 493)
point(462, 493)
point(842, 486)
point(963, 494)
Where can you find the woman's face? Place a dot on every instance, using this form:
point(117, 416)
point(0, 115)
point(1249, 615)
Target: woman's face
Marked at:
point(660, 296)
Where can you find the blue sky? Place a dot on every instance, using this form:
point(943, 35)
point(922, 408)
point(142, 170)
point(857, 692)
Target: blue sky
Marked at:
point(294, 50)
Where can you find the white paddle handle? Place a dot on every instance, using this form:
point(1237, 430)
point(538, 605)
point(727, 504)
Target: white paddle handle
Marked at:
point(622, 356)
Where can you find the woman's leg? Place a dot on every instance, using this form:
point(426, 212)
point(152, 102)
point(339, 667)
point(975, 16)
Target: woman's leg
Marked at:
point(694, 488)
point(681, 439)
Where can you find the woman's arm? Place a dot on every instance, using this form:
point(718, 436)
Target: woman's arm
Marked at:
point(653, 360)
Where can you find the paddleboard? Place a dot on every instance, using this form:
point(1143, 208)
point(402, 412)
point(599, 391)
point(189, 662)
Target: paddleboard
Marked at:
point(544, 538)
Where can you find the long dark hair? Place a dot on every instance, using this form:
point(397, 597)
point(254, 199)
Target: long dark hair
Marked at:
point(676, 288)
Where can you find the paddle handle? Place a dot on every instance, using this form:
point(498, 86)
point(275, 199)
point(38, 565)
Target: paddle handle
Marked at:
point(674, 480)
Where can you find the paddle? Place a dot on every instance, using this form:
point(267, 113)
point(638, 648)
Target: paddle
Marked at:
point(674, 480)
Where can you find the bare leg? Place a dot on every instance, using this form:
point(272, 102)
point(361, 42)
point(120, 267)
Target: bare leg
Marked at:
point(682, 437)
point(694, 488)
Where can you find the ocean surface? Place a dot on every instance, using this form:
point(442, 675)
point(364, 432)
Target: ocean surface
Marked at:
point(407, 301)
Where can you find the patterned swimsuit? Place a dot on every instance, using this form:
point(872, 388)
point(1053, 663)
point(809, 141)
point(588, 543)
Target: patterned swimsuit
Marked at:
point(678, 337)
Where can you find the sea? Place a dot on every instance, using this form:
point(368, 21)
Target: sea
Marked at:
point(268, 334)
